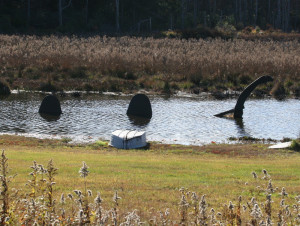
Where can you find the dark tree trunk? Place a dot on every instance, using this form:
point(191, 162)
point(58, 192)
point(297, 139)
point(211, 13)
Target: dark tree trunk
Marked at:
point(269, 12)
point(195, 13)
point(215, 7)
point(60, 12)
point(278, 22)
point(86, 11)
point(236, 10)
point(117, 15)
point(245, 15)
point(287, 20)
point(256, 12)
point(182, 14)
point(171, 21)
point(28, 12)
point(240, 11)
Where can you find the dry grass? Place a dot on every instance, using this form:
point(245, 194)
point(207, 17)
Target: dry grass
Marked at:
point(149, 182)
point(127, 64)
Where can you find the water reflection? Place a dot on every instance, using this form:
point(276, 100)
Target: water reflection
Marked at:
point(241, 127)
point(50, 118)
point(3, 97)
point(176, 120)
point(138, 121)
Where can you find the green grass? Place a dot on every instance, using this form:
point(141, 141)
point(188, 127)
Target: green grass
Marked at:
point(151, 178)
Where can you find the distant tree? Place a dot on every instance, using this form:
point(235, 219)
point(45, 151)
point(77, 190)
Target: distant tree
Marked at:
point(256, 12)
point(28, 12)
point(183, 7)
point(117, 15)
point(62, 7)
point(86, 11)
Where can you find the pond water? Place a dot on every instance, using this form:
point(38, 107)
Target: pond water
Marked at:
point(181, 120)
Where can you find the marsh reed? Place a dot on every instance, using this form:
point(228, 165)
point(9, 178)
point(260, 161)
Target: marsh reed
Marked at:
point(129, 63)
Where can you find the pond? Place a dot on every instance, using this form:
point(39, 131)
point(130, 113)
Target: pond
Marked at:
point(180, 120)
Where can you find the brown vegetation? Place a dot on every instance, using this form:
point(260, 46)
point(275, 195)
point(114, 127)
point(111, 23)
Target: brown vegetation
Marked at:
point(129, 64)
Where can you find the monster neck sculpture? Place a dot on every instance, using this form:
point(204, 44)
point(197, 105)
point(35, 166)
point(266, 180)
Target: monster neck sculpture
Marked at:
point(239, 107)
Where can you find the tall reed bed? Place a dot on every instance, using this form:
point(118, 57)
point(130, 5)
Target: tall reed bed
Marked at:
point(40, 205)
point(99, 61)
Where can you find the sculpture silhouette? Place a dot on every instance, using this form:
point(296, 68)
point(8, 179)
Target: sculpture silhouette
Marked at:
point(140, 106)
point(50, 106)
point(4, 89)
point(239, 107)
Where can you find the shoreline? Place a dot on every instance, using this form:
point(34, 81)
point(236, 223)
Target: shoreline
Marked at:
point(227, 94)
point(88, 140)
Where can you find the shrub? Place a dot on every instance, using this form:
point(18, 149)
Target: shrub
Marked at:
point(295, 145)
point(48, 87)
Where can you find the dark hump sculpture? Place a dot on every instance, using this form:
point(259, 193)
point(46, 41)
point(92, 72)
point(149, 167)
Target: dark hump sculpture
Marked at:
point(239, 107)
point(50, 106)
point(4, 89)
point(140, 106)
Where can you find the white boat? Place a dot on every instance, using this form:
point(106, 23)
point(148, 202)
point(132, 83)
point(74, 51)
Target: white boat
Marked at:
point(281, 145)
point(128, 139)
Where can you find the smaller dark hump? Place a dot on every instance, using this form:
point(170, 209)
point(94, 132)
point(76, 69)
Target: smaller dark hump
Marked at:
point(50, 105)
point(4, 89)
point(140, 106)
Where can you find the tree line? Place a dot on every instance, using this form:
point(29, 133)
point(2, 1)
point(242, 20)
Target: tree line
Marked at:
point(109, 16)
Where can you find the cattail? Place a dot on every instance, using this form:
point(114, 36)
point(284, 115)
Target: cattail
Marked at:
point(266, 175)
point(202, 210)
point(270, 187)
point(78, 192)
point(213, 220)
point(182, 189)
point(268, 208)
point(70, 196)
point(62, 199)
point(287, 211)
point(195, 200)
point(183, 204)
point(116, 197)
point(230, 206)
point(98, 199)
point(84, 170)
point(89, 193)
point(167, 212)
point(256, 212)
point(283, 192)
point(254, 175)
point(268, 221)
point(253, 201)
point(80, 217)
point(132, 219)
point(42, 170)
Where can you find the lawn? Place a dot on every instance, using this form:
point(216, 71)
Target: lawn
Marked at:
point(149, 180)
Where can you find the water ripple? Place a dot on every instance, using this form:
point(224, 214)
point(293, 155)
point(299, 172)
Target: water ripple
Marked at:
point(175, 120)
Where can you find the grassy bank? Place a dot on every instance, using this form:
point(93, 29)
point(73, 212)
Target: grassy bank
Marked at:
point(161, 65)
point(149, 181)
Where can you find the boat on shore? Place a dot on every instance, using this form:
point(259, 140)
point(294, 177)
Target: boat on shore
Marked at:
point(128, 139)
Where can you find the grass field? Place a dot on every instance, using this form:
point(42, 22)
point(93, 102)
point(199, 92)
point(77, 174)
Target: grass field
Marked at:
point(150, 180)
